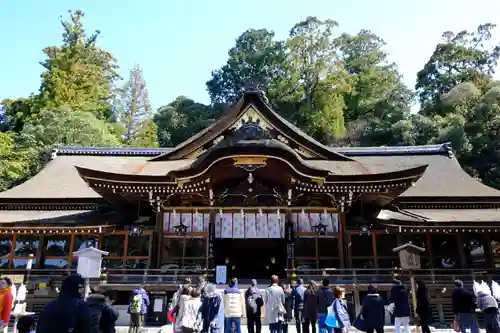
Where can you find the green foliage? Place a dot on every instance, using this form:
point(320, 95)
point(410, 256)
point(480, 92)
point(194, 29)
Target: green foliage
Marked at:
point(462, 57)
point(66, 127)
point(14, 162)
point(182, 118)
point(78, 74)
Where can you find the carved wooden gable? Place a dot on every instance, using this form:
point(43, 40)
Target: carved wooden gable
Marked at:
point(253, 125)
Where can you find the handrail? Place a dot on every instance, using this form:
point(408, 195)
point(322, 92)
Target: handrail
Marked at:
point(386, 275)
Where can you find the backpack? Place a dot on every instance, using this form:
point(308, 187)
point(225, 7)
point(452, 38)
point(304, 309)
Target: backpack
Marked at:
point(136, 304)
point(95, 318)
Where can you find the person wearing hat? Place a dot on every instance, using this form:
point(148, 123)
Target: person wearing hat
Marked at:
point(253, 304)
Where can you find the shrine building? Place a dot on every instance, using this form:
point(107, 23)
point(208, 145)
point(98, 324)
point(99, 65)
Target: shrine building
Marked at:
point(255, 194)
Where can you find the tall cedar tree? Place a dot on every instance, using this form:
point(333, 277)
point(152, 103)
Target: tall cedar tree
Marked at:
point(78, 74)
point(133, 111)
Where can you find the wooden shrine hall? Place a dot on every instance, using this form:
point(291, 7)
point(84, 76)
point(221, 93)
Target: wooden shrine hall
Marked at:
point(253, 193)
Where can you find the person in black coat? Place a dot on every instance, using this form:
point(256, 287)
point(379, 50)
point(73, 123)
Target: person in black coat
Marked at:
point(402, 313)
point(310, 307)
point(423, 310)
point(463, 305)
point(373, 311)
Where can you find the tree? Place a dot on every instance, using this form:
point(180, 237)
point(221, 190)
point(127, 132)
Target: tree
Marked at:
point(378, 98)
point(461, 57)
point(15, 113)
point(66, 127)
point(322, 79)
point(255, 60)
point(133, 111)
point(78, 74)
point(183, 118)
point(14, 165)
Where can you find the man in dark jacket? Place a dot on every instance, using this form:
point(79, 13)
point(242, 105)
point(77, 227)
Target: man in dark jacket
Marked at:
point(298, 304)
point(325, 299)
point(253, 304)
point(106, 316)
point(402, 313)
point(373, 311)
point(463, 305)
point(67, 313)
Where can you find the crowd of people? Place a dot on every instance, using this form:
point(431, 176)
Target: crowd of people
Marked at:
point(200, 308)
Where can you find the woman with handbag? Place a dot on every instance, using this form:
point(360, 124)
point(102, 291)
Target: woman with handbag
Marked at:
point(337, 316)
point(372, 315)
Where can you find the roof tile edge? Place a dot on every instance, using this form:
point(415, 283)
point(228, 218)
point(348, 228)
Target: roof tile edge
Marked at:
point(107, 151)
point(438, 149)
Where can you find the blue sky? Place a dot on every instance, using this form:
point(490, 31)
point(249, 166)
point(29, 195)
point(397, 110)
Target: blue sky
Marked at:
point(179, 42)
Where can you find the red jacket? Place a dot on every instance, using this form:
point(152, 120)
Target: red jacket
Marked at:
point(6, 302)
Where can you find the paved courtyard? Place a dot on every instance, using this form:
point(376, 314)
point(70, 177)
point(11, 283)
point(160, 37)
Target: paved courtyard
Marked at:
point(265, 329)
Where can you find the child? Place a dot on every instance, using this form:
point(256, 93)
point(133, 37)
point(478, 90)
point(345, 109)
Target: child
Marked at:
point(26, 324)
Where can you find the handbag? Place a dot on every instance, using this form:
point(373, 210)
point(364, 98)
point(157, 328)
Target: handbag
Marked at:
point(360, 324)
point(331, 316)
point(455, 325)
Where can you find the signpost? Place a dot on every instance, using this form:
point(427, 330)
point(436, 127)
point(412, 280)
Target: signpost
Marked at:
point(89, 265)
point(409, 259)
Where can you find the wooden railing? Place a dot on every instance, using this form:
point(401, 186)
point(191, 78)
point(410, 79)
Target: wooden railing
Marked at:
point(363, 276)
point(116, 275)
point(359, 276)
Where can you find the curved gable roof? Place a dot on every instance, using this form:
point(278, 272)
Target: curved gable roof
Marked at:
point(252, 104)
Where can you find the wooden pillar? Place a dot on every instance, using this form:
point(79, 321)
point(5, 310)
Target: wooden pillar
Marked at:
point(71, 250)
point(341, 239)
point(374, 250)
point(488, 251)
point(40, 250)
point(349, 250)
point(159, 235)
point(428, 243)
point(12, 251)
point(150, 250)
point(460, 245)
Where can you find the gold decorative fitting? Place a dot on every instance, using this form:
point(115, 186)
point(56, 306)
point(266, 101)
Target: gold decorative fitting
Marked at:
point(181, 182)
point(250, 161)
point(319, 181)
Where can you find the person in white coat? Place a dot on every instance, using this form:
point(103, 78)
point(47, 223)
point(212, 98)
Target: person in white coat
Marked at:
point(190, 321)
point(274, 299)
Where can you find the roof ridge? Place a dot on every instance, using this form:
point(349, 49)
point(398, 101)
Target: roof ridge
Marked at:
point(107, 151)
point(436, 149)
